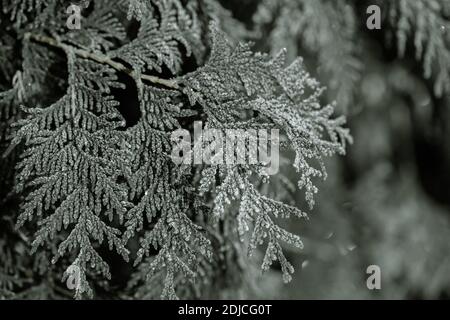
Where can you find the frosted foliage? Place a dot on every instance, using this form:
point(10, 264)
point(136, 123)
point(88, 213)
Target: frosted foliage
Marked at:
point(87, 121)
point(426, 24)
point(325, 28)
point(70, 172)
point(329, 30)
point(236, 79)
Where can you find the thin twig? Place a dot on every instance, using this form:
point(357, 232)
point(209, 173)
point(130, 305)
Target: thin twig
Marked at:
point(101, 58)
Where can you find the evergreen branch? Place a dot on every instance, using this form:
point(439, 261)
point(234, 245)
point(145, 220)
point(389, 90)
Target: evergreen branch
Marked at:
point(101, 58)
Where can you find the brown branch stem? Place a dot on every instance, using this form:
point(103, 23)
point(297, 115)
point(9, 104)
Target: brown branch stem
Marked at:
point(101, 58)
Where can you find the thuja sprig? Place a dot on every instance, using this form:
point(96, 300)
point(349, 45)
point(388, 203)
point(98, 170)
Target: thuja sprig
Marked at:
point(101, 58)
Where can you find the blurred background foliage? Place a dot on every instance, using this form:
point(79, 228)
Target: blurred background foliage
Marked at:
point(387, 202)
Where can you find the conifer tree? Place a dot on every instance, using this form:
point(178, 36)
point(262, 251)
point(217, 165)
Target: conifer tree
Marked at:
point(94, 92)
point(84, 184)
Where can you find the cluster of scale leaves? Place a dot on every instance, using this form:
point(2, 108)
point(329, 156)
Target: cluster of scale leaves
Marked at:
point(325, 28)
point(426, 25)
point(87, 184)
point(335, 31)
point(236, 81)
